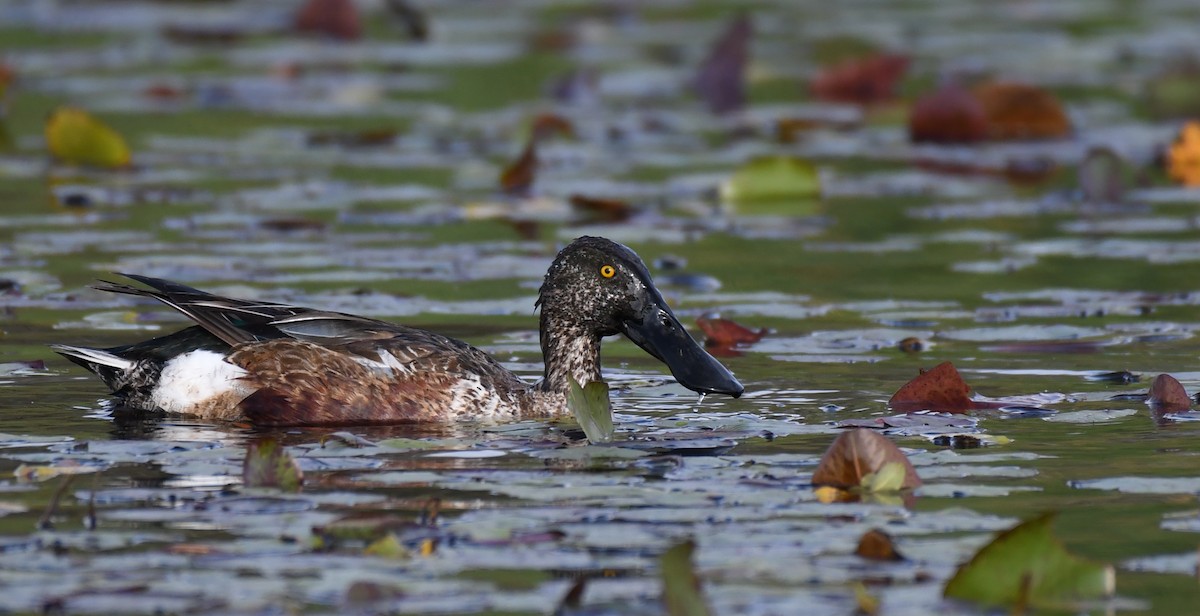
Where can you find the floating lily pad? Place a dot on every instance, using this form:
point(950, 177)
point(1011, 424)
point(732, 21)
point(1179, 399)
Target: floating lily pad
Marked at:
point(1028, 566)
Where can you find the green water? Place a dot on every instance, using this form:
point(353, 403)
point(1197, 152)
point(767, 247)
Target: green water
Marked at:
point(1087, 289)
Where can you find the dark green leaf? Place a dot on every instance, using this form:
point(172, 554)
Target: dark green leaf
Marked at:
point(1027, 565)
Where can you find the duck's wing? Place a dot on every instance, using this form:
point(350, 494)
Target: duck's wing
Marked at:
point(237, 321)
point(409, 376)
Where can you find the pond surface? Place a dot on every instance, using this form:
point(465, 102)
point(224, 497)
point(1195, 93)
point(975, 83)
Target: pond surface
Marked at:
point(362, 177)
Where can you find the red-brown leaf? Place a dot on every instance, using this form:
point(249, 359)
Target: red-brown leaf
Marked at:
point(877, 545)
point(1021, 111)
point(608, 210)
point(941, 389)
point(518, 178)
point(721, 79)
point(335, 18)
point(547, 124)
point(949, 115)
point(857, 453)
point(864, 81)
point(1166, 393)
point(726, 333)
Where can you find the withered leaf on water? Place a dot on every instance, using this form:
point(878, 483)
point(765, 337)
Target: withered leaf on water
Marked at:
point(941, 389)
point(863, 81)
point(877, 545)
point(338, 19)
point(607, 210)
point(518, 178)
point(727, 333)
point(721, 79)
point(949, 115)
point(1168, 395)
point(546, 125)
point(1022, 111)
point(858, 453)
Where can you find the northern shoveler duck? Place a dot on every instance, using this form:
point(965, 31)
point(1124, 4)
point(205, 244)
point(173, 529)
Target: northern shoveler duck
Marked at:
point(276, 365)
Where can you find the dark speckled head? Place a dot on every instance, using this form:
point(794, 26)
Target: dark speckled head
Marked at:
point(598, 287)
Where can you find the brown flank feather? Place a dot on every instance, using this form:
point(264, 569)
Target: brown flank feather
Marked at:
point(301, 383)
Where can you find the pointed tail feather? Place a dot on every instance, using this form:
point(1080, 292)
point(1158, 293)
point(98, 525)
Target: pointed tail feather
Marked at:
point(111, 369)
point(92, 358)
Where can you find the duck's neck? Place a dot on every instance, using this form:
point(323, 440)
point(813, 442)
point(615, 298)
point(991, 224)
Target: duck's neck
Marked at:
point(568, 351)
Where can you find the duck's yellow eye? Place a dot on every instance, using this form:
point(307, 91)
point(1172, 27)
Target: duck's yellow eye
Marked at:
point(608, 271)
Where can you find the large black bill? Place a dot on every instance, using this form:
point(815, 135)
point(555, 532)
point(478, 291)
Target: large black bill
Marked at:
point(660, 334)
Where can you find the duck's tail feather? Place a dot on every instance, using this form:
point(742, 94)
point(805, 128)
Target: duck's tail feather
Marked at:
point(193, 303)
point(107, 366)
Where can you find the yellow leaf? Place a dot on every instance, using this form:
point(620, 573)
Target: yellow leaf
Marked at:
point(75, 137)
point(890, 478)
point(1183, 158)
point(27, 472)
point(830, 494)
point(867, 604)
point(387, 547)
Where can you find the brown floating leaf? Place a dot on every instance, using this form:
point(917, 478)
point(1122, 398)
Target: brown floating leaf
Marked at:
point(864, 81)
point(1022, 111)
point(911, 344)
point(291, 225)
point(371, 592)
point(1183, 157)
point(546, 124)
point(335, 18)
point(721, 79)
point(163, 92)
point(949, 115)
point(877, 545)
point(941, 389)
point(607, 210)
point(1167, 394)
point(726, 333)
point(789, 130)
point(367, 138)
point(858, 453)
point(518, 178)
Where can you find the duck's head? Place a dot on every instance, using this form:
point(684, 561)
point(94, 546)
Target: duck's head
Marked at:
point(604, 288)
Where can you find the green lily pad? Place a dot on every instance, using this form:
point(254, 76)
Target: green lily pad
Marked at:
point(681, 586)
point(592, 409)
point(782, 183)
point(268, 465)
point(1027, 565)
